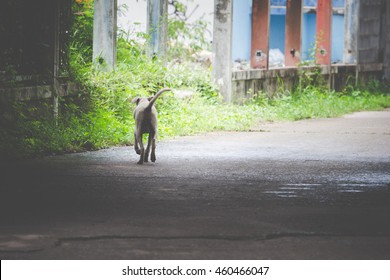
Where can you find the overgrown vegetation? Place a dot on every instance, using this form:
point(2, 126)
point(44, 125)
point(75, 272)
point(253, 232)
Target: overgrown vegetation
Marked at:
point(101, 115)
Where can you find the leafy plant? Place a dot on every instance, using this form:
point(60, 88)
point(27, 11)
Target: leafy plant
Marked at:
point(186, 37)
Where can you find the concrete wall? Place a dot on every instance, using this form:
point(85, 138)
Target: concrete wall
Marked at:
point(369, 39)
point(37, 92)
point(242, 17)
point(247, 84)
point(367, 52)
point(374, 35)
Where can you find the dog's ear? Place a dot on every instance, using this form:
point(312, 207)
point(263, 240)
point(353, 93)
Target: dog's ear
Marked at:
point(150, 98)
point(136, 100)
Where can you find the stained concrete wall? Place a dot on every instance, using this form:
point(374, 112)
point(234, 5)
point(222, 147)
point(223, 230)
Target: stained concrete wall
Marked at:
point(274, 82)
point(374, 34)
point(369, 39)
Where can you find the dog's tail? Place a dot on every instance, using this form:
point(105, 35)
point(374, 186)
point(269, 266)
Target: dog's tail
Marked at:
point(156, 96)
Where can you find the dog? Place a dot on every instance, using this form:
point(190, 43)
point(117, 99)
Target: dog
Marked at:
point(145, 116)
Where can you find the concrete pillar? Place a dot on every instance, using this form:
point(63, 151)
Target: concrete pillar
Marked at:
point(292, 51)
point(323, 32)
point(351, 31)
point(157, 28)
point(260, 34)
point(104, 34)
point(222, 47)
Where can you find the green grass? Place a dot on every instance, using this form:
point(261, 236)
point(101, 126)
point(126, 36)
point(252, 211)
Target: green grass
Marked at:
point(197, 115)
point(314, 103)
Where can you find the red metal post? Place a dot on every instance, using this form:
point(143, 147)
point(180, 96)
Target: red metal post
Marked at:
point(292, 50)
point(260, 33)
point(323, 31)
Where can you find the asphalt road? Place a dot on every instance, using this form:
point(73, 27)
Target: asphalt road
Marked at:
point(313, 189)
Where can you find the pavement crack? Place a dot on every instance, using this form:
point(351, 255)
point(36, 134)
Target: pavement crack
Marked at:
point(263, 237)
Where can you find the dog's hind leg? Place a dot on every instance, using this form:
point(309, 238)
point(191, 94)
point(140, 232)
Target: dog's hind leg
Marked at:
point(153, 155)
point(136, 148)
point(148, 148)
point(142, 149)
